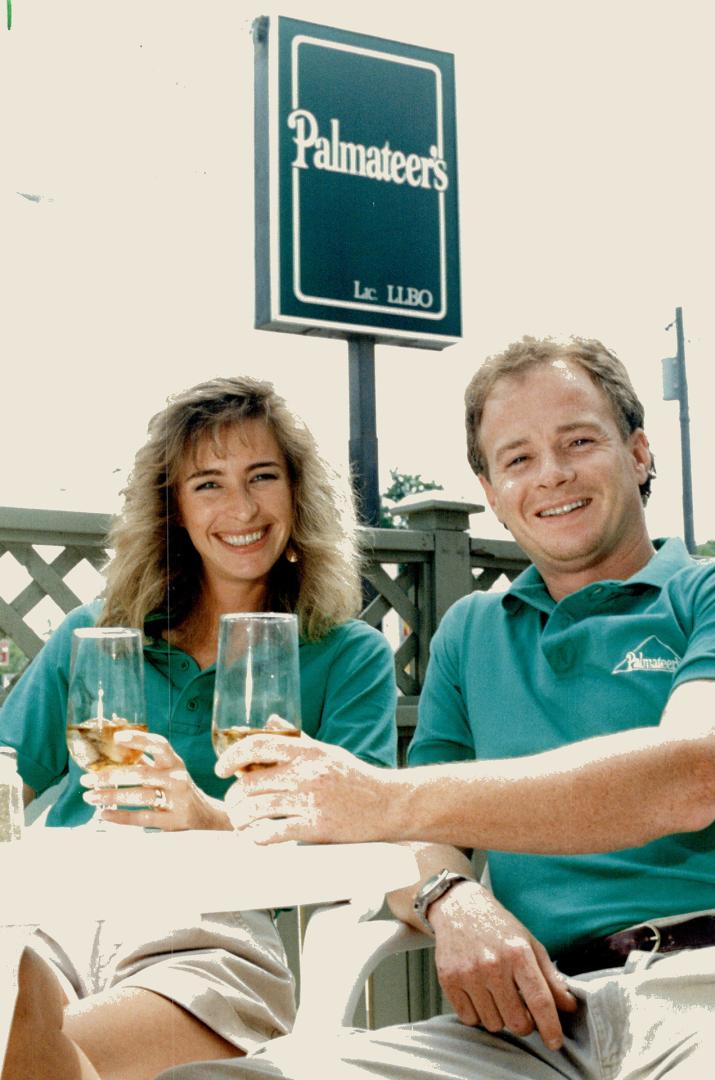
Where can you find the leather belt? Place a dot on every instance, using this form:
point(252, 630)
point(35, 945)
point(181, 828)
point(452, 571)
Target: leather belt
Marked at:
point(612, 950)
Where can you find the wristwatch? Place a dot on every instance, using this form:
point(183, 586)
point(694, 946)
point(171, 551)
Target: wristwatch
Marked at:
point(432, 890)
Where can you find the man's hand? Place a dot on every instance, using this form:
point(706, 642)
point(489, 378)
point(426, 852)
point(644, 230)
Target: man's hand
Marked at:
point(494, 972)
point(303, 790)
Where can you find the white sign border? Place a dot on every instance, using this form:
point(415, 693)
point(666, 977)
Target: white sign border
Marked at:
point(401, 311)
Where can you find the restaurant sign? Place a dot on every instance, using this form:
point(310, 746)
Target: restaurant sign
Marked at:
point(356, 186)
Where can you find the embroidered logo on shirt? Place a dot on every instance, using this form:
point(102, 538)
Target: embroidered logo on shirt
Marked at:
point(651, 655)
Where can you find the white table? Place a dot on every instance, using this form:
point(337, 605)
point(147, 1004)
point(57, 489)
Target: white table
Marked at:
point(98, 875)
point(56, 874)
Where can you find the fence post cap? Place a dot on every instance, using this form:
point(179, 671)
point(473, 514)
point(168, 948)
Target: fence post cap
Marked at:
point(426, 511)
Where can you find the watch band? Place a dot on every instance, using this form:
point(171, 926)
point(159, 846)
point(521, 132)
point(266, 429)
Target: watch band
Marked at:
point(434, 888)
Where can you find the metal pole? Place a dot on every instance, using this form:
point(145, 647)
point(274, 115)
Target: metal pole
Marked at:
point(363, 428)
point(688, 525)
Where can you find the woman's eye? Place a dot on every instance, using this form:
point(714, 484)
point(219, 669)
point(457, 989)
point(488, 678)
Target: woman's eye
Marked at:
point(263, 476)
point(206, 485)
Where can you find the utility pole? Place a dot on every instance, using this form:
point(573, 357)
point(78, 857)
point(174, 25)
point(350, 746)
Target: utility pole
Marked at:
point(675, 388)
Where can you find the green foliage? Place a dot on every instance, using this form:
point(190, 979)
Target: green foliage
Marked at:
point(403, 484)
point(708, 548)
point(16, 662)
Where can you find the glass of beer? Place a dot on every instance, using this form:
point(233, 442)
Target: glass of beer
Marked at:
point(257, 677)
point(106, 695)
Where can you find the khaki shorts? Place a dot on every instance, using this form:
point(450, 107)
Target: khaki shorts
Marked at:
point(229, 970)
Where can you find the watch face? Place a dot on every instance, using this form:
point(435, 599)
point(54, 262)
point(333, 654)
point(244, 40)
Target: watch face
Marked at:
point(432, 890)
point(433, 883)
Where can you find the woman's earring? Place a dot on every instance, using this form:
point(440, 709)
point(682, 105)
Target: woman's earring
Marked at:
point(291, 554)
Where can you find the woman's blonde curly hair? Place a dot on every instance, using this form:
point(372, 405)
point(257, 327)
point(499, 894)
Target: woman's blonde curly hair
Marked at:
point(156, 569)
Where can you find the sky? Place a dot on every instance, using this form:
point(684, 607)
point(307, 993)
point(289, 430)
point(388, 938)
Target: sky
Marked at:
point(586, 180)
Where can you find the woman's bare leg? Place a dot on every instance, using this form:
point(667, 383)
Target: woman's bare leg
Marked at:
point(37, 1047)
point(129, 1034)
point(134, 1034)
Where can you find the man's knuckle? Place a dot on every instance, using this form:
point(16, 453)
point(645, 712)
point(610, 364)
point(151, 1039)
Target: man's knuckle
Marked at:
point(540, 1001)
point(489, 964)
point(522, 1025)
point(451, 965)
point(449, 980)
point(492, 971)
point(517, 949)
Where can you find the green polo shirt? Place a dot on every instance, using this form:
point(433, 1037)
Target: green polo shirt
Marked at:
point(348, 697)
point(516, 673)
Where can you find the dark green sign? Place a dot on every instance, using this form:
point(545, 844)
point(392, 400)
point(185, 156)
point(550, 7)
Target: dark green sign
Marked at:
point(356, 186)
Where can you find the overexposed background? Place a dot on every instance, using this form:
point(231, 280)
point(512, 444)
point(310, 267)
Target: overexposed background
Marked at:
point(586, 182)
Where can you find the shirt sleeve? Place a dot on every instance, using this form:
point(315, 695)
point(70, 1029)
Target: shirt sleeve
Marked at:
point(699, 659)
point(359, 709)
point(443, 732)
point(34, 716)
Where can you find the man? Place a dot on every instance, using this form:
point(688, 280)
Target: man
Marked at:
point(585, 695)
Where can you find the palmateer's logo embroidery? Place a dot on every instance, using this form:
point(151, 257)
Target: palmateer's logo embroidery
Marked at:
point(651, 655)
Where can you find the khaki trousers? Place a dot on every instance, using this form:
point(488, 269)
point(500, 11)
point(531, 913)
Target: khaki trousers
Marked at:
point(653, 1018)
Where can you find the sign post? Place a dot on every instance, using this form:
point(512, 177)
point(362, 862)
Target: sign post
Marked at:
point(357, 230)
point(363, 428)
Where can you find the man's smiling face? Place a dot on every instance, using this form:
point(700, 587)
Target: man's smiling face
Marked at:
point(562, 478)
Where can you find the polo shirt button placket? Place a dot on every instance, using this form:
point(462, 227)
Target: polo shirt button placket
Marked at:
point(563, 660)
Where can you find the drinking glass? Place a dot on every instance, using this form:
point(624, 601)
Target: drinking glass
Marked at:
point(106, 695)
point(257, 676)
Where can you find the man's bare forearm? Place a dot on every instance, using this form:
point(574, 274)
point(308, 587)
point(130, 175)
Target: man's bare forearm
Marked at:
point(601, 794)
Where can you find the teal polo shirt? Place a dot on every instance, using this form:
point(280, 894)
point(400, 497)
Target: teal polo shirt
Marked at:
point(517, 673)
point(348, 697)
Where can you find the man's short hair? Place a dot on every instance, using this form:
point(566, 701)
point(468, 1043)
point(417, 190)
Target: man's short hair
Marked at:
point(602, 365)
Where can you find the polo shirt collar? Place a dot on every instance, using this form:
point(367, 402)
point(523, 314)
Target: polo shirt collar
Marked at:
point(154, 623)
point(671, 556)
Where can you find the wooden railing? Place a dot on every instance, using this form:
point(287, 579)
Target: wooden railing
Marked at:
point(416, 573)
point(421, 571)
point(79, 537)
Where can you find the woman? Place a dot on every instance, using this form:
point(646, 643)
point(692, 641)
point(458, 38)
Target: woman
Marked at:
point(229, 508)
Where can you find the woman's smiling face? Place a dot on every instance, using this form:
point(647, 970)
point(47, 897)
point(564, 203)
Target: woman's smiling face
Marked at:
point(235, 501)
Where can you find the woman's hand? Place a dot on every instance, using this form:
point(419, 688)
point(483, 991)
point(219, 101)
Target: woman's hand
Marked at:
point(163, 786)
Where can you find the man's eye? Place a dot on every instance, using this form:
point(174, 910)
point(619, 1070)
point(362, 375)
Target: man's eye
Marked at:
point(582, 441)
point(516, 461)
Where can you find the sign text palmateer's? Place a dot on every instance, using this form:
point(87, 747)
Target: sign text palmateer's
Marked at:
point(356, 159)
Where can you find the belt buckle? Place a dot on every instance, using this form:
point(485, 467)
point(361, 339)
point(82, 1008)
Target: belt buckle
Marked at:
point(656, 936)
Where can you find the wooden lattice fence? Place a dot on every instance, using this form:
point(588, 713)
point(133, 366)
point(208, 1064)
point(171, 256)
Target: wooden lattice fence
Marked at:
point(415, 573)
